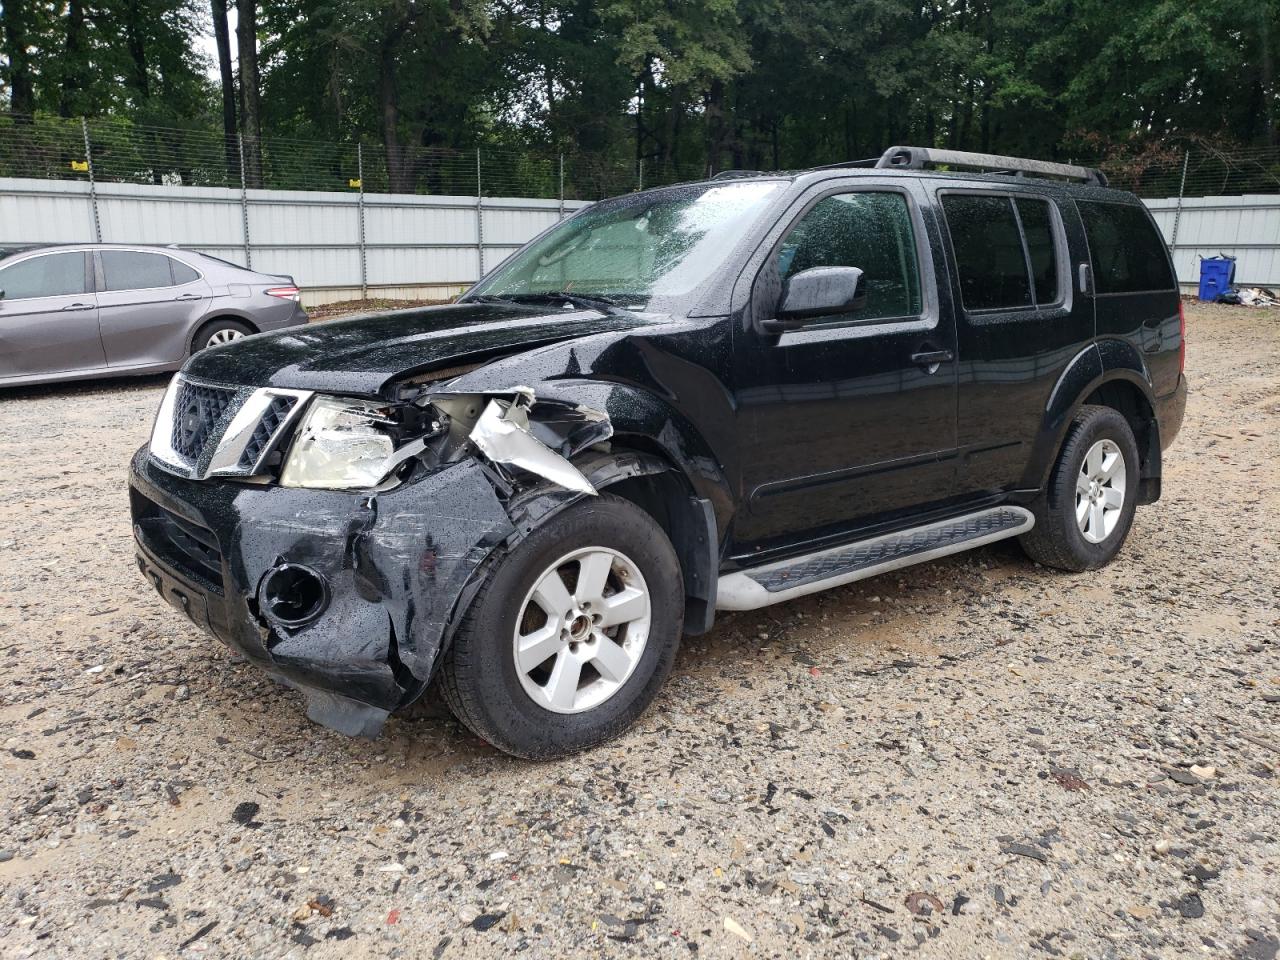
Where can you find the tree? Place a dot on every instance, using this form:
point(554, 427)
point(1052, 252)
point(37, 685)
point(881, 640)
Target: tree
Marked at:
point(19, 75)
point(222, 38)
point(250, 91)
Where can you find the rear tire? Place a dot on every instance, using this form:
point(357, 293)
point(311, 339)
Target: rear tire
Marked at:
point(215, 333)
point(571, 635)
point(1085, 513)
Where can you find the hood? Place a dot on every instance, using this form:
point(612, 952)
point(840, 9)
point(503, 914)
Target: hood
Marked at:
point(364, 354)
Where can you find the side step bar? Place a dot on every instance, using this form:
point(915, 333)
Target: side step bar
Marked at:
point(799, 576)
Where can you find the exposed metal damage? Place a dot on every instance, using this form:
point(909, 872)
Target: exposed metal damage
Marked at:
point(351, 600)
point(517, 430)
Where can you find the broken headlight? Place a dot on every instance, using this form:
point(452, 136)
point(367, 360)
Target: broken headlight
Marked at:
point(341, 444)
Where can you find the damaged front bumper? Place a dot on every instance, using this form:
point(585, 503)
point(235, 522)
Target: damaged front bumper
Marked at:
point(394, 568)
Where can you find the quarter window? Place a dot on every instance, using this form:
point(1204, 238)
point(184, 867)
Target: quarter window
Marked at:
point(51, 275)
point(131, 270)
point(871, 231)
point(182, 273)
point(1128, 253)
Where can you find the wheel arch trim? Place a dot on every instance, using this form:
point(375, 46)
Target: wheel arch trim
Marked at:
point(1102, 362)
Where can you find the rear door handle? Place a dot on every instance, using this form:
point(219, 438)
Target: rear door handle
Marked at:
point(188, 296)
point(931, 358)
point(1085, 278)
point(78, 306)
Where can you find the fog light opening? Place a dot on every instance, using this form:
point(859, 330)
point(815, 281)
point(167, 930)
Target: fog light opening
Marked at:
point(293, 595)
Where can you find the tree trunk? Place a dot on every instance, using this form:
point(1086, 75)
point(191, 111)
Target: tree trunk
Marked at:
point(223, 38)
point(1270, 128)
point(137, 45)
point(715, 124)
point(22, 98)
point(389, 101)
point(667, 147)
point(250, 95)
point(73, 62)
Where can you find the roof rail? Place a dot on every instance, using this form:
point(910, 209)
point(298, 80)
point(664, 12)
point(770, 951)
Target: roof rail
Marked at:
point(916, 158)
point(737, 174)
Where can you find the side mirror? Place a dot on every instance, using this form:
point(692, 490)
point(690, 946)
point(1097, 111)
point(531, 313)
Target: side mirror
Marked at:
point(819, 292)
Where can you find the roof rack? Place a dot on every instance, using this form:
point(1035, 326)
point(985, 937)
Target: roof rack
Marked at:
point(916, 158)
point(737, 174)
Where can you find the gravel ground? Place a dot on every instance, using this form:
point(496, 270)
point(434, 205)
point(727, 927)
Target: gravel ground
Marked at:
point(976, 757)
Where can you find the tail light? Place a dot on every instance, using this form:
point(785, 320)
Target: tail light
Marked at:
point(1182, 337)
point(284, 293)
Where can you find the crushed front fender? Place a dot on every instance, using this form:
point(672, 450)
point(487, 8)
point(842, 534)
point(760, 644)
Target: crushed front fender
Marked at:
point(396, 567)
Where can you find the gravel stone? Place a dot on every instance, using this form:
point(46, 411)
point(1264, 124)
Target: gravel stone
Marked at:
point(880, 740)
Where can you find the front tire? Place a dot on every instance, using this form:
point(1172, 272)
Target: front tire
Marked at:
point(572, 633)
point(1084, 515)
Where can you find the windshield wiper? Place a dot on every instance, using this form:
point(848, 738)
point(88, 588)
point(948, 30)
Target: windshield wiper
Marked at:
point(588, 301)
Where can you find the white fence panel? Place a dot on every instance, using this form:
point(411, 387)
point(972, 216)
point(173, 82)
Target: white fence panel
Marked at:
point(413, 245)
point(1247, 228)
point(430, 243)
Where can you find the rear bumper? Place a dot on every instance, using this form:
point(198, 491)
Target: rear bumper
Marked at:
point(1170, 411)
point(395, 566)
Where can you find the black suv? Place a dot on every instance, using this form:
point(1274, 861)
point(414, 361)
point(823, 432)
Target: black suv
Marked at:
point(713, 396)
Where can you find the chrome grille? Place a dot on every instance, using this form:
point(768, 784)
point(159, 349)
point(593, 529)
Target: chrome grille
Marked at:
point(206, 429)
point(197, 411)
point(273, 418)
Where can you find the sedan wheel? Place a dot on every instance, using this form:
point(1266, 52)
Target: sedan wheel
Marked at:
point(225, 335)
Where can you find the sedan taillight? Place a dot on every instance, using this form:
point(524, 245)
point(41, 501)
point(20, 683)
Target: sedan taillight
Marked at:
point(284, 293)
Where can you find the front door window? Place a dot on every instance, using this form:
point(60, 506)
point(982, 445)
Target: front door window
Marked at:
point(870, 231)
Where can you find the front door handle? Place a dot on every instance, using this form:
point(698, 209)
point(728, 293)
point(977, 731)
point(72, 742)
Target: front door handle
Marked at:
point(78, 306)
point(931, 358)
point(188, 296)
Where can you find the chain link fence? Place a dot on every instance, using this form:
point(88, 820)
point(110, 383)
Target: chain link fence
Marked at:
point(122, 152)
point(1200, 170)
point(114, 151)
point(1205, 196)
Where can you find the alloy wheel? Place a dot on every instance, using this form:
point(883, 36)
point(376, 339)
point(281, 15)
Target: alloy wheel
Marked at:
point(581, 630)
point(1100, 488)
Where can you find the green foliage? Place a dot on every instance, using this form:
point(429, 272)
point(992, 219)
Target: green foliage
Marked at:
point(646, 90)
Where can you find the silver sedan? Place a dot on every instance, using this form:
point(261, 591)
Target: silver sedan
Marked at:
point(69, 312)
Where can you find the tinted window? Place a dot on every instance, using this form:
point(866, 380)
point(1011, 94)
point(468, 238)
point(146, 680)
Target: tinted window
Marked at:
point(1037, 227)
point(1128, 253)
point(53, 275)
point(988, 249)
point(871, 231)
point(127, 270)
point(182, 273)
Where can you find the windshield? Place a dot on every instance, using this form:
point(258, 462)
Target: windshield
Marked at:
point(634, 249)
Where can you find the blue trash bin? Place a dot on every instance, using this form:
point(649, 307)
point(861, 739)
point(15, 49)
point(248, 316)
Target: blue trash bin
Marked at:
point(1216, 275)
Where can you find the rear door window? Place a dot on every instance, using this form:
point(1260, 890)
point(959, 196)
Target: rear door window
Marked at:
point(1128, 253)
point(51, 275)
point(1006, 251)
point(133, 270)
point(988, 250)
point(868, 230)
point(1042, 251)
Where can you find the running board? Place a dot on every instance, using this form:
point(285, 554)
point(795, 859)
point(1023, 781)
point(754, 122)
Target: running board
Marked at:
point(799, 576)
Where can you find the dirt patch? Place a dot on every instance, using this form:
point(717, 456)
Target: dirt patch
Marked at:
point(1071, 765)
point(346, 308)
